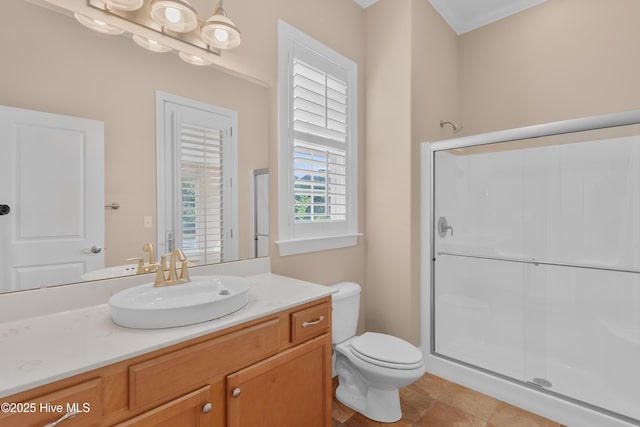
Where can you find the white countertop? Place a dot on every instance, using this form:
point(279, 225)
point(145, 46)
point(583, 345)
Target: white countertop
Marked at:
point(39, 350)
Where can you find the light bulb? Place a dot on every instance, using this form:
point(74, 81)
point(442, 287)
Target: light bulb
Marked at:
point(221, 35)
point(172, 14)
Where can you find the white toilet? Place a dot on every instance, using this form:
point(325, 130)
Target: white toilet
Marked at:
point(371, 367)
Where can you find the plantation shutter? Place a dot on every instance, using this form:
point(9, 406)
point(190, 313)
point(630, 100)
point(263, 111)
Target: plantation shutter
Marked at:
point(202, 232)
point(320, 140)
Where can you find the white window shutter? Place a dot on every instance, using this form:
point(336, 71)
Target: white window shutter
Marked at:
point(202, 193)
point(317, 127)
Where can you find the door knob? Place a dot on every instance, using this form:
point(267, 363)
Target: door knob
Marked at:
point(4, 209)
point(95, 249)
point(235, 392)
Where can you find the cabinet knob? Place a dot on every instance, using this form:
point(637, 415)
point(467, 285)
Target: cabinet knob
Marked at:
point(235, 392)
point(207, 407)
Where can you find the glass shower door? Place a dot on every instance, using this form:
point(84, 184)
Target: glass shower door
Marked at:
point(536, 263)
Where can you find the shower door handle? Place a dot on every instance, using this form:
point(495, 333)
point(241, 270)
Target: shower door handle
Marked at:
point(443, 227)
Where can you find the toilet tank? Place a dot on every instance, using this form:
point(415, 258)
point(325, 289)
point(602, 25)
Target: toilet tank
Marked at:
point(346, 307)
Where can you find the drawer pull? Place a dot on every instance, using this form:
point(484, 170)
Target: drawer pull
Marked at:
point(235, 392)
point(62, 418)
point(207, 407)
point(315, 322)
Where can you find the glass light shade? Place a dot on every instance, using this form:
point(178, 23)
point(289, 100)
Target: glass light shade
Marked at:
point(126, 5)
point(220, 32)
point(193, 59)
point(97, 25)
point(174, 15)
point(149, 44)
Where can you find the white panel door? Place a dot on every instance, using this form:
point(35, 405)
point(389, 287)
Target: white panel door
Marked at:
point(52, 179)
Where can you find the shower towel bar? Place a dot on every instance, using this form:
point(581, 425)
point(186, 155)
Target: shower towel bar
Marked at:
point(540, 262)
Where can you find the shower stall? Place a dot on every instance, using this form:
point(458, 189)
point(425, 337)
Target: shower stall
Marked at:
point(531, 267)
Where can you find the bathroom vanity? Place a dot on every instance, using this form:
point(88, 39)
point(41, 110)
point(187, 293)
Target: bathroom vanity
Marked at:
point(267, 364)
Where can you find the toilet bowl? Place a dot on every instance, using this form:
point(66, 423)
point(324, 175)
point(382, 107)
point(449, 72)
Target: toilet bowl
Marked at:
point(370, 367)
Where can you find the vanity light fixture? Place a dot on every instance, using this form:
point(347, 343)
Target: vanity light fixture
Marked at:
point(97, 25)
point(172, 20)
point(219, 30)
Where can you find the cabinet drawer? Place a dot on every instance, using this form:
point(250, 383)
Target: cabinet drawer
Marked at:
point(84, 398)
point(169, 376)
point(193, 409)
point(310, 322)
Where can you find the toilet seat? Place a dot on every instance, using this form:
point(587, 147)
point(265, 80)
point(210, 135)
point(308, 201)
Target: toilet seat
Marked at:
point(386, 351)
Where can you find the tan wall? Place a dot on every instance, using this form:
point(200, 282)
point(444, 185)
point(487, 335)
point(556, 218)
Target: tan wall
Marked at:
point(560, 60)
point(388, 175)
point(411, 84)
point(435, 97)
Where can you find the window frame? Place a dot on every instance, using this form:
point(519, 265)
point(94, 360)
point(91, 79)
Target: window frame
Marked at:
point(295, 238)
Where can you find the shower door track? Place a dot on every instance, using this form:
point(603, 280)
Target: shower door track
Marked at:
point(537, 262)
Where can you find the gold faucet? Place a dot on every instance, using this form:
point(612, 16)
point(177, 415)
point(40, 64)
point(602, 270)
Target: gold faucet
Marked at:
point(148, 247)
point(173, 278)
point(143, 268)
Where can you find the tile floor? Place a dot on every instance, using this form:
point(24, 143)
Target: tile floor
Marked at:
point(434, 402)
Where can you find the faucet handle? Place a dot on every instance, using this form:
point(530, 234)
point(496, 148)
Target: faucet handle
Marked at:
point(443, 227)
point(184, 271)
point(148, 247)
point(161, 278)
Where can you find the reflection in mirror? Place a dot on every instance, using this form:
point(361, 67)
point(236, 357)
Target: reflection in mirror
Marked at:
point(261, 211)
point(108, 79)
point(196, 169)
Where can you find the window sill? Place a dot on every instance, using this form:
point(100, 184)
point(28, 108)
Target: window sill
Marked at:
point(315, 244)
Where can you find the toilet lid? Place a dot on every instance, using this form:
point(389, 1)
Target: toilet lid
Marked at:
point(386, 350)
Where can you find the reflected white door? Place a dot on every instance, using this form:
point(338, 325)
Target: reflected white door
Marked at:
point(52, 180)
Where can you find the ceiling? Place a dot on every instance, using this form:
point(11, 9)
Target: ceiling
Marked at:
point(466, 15)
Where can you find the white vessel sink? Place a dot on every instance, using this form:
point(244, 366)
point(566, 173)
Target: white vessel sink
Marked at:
point(204, 298)
point(110, 272)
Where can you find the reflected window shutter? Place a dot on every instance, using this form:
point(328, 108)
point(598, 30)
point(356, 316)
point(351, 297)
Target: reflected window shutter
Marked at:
point(320, 137)
point(202, 191)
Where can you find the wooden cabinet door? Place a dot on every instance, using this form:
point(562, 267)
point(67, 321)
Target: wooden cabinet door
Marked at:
point(190, 410)
point(290, 389)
